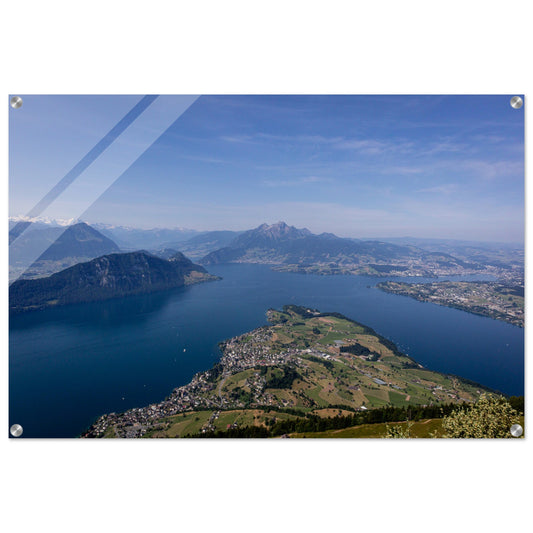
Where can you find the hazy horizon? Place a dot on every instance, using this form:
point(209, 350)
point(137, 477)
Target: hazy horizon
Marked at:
point(66, 223)
point(434, 167)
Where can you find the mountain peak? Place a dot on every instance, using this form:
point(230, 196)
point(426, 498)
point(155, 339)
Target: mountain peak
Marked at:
point(281, 229)
point(280, 224)
point(262, 237)
point(326, 235)
point(80, 240)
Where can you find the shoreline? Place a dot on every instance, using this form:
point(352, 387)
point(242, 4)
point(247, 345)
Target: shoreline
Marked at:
point(205, 391)
point(402, 290)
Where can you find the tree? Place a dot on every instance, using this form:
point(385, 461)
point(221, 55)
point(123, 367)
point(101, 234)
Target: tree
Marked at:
point(398, 431)
point(491, 417)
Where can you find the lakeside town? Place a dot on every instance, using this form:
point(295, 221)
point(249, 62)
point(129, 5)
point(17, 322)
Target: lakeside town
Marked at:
point(408, 268)
point(304, 360)
point(238, 354)
point(496, 300)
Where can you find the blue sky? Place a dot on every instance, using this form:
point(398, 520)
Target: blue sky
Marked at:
point(358, 166)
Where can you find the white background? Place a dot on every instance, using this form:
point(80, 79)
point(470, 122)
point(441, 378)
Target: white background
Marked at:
point(250, 47)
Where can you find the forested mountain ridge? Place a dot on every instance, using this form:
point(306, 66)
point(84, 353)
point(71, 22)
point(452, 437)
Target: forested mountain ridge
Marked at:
point(106, 277)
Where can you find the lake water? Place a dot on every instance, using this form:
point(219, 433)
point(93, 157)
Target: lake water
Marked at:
point(71, 364)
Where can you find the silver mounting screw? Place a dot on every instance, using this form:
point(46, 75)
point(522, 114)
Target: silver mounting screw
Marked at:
point(517, 102)
point(16, 102)
point(516, 430)
point(16, 430)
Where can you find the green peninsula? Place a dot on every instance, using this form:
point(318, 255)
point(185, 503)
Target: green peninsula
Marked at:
point(306, 365)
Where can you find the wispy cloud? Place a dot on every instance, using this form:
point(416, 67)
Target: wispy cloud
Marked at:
point(292, 182)
point(404, 169)
point(364, 146)
point(447, 188)
point(240, 139)
point(491, 171)
point(312, 139)
point(489, 139)
point(203, 159)
point(269, 138)
point(444, 146)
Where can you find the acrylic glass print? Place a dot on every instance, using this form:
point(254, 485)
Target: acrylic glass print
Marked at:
point(266, 266)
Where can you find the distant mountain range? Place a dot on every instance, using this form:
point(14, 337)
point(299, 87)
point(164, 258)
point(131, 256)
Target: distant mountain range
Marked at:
point(138, 239)
point(498, 254)
point(300, 250)
point(109, 276)
point(285, 247)
point(127, 238)
point(41, 221)
point(46, 248)
point(204, 243)
point(280, 243)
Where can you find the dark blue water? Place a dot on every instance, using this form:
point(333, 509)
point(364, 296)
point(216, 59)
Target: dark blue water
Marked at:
point(70, 365)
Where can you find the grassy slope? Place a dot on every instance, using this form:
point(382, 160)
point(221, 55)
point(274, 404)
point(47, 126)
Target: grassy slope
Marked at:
point(423, 429)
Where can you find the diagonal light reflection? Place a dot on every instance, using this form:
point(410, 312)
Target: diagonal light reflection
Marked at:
point(84, 162)
point(80, 193)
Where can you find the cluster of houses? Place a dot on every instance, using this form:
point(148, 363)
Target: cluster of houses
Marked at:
point(253, 349)
point(240, 353)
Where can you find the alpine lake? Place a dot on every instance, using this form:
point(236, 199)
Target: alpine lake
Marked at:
point(69, 365)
